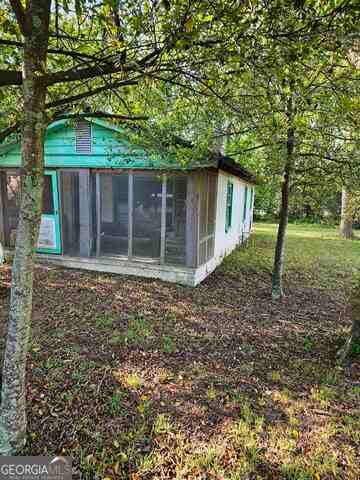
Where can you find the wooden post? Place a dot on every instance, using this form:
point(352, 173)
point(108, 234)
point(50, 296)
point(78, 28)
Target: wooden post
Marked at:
point(163, 220)
point(207, 193)
point(192, 220)
point(84, 213)
point(131, 211)
point(98, 216)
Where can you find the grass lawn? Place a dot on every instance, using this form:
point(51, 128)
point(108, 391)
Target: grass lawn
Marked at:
point(139, 379)
point(315, 255)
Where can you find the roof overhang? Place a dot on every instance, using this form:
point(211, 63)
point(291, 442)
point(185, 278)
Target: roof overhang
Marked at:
point(229, 165)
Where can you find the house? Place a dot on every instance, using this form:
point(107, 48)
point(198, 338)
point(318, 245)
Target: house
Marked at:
point(111, 207)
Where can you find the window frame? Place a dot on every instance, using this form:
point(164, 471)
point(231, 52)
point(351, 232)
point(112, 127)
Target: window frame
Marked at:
point(246, 190)
point(229, 206)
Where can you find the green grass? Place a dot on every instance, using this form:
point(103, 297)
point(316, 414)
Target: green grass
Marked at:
point(115, 403)
point(168, 344)
point(104, 321)
point(138, 331)
point(315, 255)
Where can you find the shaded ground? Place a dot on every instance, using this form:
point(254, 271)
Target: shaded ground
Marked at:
point(141, 379)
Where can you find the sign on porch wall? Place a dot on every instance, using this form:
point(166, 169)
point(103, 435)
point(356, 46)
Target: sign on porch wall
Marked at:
point(47, 235)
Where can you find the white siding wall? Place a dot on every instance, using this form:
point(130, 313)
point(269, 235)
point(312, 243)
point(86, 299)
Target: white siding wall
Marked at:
point(225, 242)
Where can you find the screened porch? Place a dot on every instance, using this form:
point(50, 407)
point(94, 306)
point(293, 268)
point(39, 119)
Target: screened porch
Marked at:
point(135, 216)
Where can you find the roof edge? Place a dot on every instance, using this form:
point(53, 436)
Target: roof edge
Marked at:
point(229, 165)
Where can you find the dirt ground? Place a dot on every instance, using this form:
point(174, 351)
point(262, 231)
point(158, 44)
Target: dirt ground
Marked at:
point(136, 378)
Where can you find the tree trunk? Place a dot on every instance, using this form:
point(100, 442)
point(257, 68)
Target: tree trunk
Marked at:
point(34, 25)
point(346, 224)
point(352, 346)
point(276, 287)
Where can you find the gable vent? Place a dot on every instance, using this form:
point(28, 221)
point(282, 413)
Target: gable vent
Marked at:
point(83, 137)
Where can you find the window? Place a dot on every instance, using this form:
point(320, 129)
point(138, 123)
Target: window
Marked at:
point(48, 197)
point(251, 199)
point(251, 206)
point(229, 206)
point(245, 203)
point(83, 137)
point(10, 190)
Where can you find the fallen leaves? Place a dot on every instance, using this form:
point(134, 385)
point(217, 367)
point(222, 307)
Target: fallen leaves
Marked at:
point(174, 377)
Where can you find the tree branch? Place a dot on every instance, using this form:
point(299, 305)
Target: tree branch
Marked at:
point(73, 99)
point(99, 115)
point(21, 17)
point(8, 131)
point(73, 75)
point(55, 51)
point(10, 77)
point(240, 152)
point(16, 126)
point(90, 93)
point(14, 77)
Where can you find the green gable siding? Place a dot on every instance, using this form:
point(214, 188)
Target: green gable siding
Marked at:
point(110, 149)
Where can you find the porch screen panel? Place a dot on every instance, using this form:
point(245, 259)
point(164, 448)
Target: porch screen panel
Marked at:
point(203, 222)
point(211, 215)
point(147, 216)
point(114, 214)
point(175, 239)
point(70, 212)
point(207, 217)
point(203, 206)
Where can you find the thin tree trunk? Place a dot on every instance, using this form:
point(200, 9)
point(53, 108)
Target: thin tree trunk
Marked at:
point(276, 287)
point(346, 225)
point(352, 346)
point(34, 24)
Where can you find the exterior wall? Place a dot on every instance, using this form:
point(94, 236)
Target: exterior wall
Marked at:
point(226, 242)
